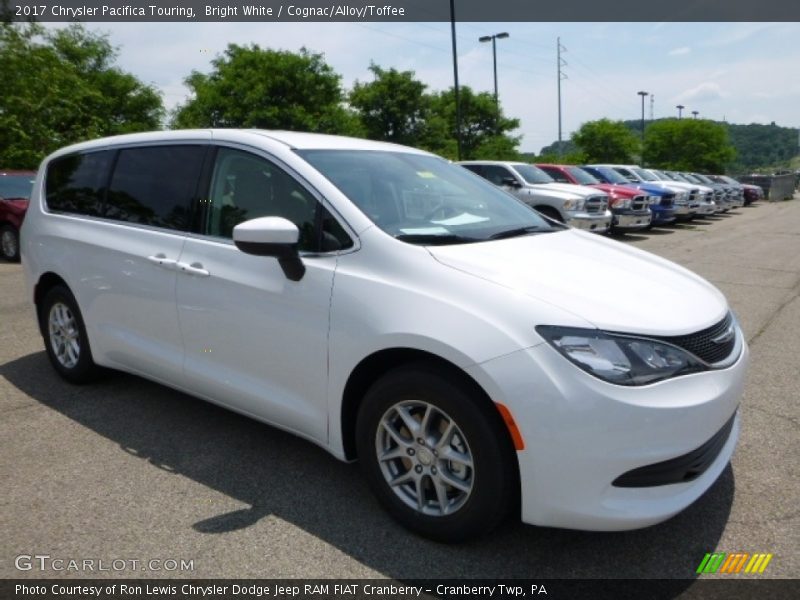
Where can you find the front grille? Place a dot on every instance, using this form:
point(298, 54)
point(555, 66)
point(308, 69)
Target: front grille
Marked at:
point(702, 343)
point(668, 201)
point(595, 204)
point(639, 203)
point(681, 469)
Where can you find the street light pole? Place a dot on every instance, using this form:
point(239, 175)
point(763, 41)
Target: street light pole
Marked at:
point(695, 113)
point(643, 95)
point(493, 38)
point(680, 108)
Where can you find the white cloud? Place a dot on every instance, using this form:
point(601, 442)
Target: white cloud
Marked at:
point(683, 50)
point(702, 93)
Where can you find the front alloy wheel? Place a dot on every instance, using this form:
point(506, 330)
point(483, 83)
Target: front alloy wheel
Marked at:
point(425, 458)
point(436, 453)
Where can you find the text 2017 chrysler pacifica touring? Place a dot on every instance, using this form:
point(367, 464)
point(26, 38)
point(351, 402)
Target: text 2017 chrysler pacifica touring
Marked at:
point(393, 307)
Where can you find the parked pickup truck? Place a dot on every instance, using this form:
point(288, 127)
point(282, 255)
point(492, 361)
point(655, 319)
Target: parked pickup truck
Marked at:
point(630, 206)
point(575, 205)
point(662, 201)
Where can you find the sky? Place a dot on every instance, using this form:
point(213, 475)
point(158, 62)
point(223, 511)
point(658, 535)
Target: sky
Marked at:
point(739, 72)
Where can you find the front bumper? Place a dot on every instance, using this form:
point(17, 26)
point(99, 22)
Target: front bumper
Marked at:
point(630, 220)
point(581, 434)
point(707, 208)
point(598, 223)
point(662, 216)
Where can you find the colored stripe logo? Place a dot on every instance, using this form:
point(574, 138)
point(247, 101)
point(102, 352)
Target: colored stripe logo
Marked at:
point(734, 562)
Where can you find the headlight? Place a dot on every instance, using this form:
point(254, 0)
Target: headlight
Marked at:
point(573, 204)
point(654, 200)
point(620, 359)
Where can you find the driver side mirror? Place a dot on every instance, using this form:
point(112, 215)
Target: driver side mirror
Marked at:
point(272, 236)
point(511, 182)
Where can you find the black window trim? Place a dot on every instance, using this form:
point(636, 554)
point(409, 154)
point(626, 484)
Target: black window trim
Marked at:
point(114, 150)
point(322, 201)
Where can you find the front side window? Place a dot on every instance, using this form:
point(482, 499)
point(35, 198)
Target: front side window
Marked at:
point(423, 199)
point(155, 185)
point(245, 186)
point(497, 175)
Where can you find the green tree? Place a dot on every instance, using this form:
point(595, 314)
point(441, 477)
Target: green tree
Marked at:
point(393, 107)
point(254, 87)
point(606, 141)
point(60, 87)
point(485, 131)
point(689, 145)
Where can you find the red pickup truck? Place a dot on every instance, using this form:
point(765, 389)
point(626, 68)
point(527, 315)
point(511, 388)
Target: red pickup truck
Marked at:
point(15, 190)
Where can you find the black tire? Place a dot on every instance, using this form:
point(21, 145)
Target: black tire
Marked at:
point(65, 336)
point(478, 434)
point(9, 243)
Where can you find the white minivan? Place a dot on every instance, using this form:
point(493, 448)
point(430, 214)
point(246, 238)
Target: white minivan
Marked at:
point(478, 359)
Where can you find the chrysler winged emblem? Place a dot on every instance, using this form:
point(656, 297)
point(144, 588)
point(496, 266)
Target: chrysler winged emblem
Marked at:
point(724, 337)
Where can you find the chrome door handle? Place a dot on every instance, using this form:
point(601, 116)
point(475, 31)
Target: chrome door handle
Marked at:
point(161, 260)
point(195, 268)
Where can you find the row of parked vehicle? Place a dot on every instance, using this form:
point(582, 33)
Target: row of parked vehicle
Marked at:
point(616, 198)
point(603, 198)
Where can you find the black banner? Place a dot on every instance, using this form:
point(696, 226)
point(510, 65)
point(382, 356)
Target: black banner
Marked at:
point(401, 10)
point(730, 588)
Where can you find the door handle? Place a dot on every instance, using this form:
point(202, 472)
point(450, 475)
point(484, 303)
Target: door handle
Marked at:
point(161, 260)
point(195, 268)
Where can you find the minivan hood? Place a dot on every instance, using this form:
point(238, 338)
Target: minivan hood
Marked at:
point(607, 283)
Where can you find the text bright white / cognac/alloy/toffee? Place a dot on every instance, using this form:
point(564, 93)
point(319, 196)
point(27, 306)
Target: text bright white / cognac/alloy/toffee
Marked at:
point(390, 306)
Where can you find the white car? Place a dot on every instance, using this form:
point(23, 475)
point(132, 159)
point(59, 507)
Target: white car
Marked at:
point(575, 205)
point(390, 306)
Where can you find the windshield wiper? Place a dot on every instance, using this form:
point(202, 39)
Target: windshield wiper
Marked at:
point(509, 233)
point(432, 239)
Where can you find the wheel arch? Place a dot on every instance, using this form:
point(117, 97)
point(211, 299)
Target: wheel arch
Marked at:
point(45, 283)
point(374, 366)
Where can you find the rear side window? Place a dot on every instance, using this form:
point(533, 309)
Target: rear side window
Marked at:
point(76, 184)
point(155, 185)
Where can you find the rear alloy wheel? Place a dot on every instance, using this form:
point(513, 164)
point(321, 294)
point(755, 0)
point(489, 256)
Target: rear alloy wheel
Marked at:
point(436, 454)
point(65, 336)
point(9, 243)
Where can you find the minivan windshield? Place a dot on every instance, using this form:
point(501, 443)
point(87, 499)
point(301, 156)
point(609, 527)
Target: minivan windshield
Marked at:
point(423, 199)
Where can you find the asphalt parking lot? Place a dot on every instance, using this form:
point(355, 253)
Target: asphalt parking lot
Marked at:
point(127, 469)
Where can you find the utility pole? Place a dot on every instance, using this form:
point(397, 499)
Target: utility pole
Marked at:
point(560, 62)
point(652, 101)
point(455, 76)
